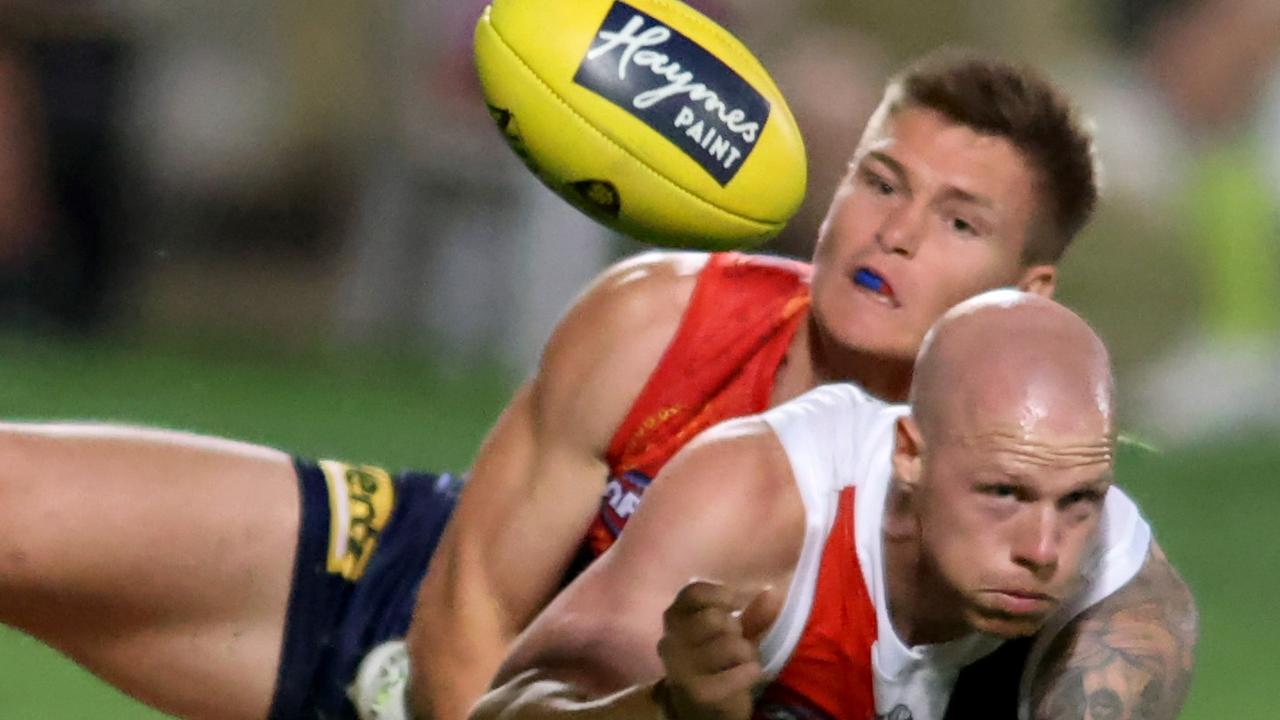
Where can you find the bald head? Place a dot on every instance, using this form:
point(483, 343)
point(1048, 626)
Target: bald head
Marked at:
point(1014, 361)
point(1001, 473)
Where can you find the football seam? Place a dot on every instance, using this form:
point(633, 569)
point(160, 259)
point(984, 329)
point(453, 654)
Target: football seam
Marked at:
point(766, 224)
point(727, 39)
point(731, 44)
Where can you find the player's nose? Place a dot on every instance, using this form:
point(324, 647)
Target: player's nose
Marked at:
point(1038, 541)
point(901, 230)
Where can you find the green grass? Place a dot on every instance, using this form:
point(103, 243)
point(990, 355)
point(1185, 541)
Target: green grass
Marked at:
point(1214, 508)
point(355, 404)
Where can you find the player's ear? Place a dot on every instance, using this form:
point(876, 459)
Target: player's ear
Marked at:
point(908, 447)
point(1039, 280)
point(901, 516)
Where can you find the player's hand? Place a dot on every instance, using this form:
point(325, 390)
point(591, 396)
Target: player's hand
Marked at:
point(709, 650)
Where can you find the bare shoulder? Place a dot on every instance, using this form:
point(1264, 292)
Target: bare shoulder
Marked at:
point(649, 290)
point(747, 452)
point(612, 337)
point(717, 510)
point(1131, 655)
point(731, 487)
point(656, 264)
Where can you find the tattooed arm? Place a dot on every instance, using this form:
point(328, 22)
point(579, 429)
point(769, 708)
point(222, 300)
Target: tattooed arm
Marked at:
point(1128, 657)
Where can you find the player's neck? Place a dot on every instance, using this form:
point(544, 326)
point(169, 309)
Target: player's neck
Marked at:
point(814, 359)
point(922, 609)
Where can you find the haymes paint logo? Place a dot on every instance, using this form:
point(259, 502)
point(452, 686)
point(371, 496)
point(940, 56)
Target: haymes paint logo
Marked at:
point(677, 88)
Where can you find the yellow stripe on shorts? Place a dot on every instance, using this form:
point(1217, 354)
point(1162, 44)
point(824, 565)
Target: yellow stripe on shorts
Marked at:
point(360, 501)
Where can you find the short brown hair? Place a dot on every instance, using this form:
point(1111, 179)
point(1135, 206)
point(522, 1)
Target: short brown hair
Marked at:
point(997, 98)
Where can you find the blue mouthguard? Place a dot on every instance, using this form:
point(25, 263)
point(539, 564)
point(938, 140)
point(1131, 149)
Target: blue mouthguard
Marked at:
point(869, 280)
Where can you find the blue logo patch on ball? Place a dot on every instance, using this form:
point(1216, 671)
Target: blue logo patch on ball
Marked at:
point(677, 88)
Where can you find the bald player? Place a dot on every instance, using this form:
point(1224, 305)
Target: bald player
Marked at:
point(857, 556)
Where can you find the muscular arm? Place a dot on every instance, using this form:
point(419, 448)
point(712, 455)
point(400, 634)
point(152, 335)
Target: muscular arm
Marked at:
point(723, 508)
point(1130, 656)
point(537, 481)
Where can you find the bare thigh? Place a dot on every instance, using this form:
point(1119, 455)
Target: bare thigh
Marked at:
point(160, 561)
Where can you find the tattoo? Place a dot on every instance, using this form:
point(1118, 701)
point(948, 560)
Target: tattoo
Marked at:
point(1105, 704)
point(1128, 657)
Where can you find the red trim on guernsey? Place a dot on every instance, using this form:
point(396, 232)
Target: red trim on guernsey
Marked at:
point(721, 364)
point(829, 673)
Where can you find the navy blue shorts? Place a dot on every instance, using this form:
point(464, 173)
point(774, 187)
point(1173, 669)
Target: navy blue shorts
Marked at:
point(364, 541)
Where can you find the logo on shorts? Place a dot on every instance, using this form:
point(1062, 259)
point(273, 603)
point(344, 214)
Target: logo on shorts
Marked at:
point(677, 88)
point(621, 498)
point(622, 495)
point(360, 501)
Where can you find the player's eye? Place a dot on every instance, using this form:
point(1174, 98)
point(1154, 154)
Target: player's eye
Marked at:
point(962, 226)
point(877, 184)
point(999, 490)
point(1082, 497)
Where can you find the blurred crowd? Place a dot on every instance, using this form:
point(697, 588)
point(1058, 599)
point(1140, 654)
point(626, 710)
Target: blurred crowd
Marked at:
point(323, 170)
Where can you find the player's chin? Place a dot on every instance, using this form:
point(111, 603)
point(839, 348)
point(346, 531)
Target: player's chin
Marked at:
point(884, 344)
point(1000, 622)
point(879, 333)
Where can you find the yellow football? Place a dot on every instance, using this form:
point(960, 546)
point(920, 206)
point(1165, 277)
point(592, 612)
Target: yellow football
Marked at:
point(645, 114)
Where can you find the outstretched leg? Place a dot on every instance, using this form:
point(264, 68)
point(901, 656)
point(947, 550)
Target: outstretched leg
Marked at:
point(161, 561)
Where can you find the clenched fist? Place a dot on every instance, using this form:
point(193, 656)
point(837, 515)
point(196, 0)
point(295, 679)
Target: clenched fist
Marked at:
point(709, 650)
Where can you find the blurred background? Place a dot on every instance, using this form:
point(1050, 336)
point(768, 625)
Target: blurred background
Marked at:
point(290, 221)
